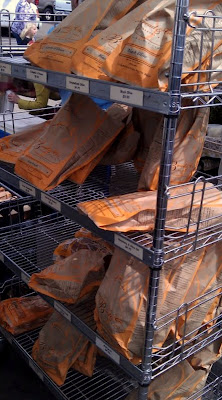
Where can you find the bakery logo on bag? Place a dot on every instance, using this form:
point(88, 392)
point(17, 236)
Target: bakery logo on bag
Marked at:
point(110, 42)
point(67, 33)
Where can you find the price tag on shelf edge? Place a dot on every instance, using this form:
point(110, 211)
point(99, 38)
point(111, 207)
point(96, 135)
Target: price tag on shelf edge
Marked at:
point(36, 369)
point(55, 204)
point(79, 85)
point(62, 310)
point(126, 95)
point(25, 187)
point(107, 350)
point(5, 68)
point(25, 278)
point(37, 76)
point(2, 258)
point(128, 246)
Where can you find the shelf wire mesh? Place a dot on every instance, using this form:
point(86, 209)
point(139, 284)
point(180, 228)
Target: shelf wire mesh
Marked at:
point(107, 383)
point(202, 85)
point(29, 247)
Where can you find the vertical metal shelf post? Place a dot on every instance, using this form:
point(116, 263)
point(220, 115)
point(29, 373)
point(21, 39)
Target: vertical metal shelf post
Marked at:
point(169, 131)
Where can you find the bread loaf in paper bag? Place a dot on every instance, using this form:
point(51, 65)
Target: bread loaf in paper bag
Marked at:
point(22, 314)
point(89, 59)
point(144, 57)
point(184, 379)
point(70, 142)
point(136, 211)
point(121, 301)
point(58, 347)
point(56, 50)
point(188, 145)
point(76, 276)
point(13, 146)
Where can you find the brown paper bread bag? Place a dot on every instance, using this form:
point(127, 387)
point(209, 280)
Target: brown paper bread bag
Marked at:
point(121, 300)
point(68, 143)
point(123, 148)
point(143, 59)
point(13, 146)
point(77, 275)
point(83, 240)
point(22, 314)
point(188, 147)
point(207, 282)
point(89, 59)
point(146, 123)
point(59, 345)
point(184, 379)
point(85, 363)
point(56, 50)
point(136, 211)
point(119, 113)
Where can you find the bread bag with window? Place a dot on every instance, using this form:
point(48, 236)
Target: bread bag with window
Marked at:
point(136, 211)
point(55, 51)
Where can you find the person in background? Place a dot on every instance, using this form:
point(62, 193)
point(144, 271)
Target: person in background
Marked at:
point(41, 101)
point(24, 13)
point(28, 33)
point(41, 92)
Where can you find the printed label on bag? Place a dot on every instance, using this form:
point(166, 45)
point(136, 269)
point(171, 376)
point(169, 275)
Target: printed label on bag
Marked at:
point(107, 350)
point(62, 310)
point(2, 258)
point(24, 277)
point(51, 202)
point(79, 85)
point(128, 246)
point(37, 76)
point(5, 69)
point(25, 187)
point(126, 95)
point(36, 370)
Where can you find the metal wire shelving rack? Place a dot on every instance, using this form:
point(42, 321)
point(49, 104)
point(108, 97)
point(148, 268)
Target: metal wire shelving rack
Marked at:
point(202, 91)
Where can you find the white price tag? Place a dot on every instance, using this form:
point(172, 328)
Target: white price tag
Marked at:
point(25, 278)
point(37, 76)
point(5, 69)
point(51, 202)
point(79, 85)
point(126, 95)
point(107, 350)
point(128, 246)
point(2, 258)
point(25, 187)
point(62, 310)
point(36, 369)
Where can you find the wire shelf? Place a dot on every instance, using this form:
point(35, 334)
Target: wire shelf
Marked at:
point(212, 390)
point(107, 382)
point(195, 232)
point(203, 84)
point(28, 247)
